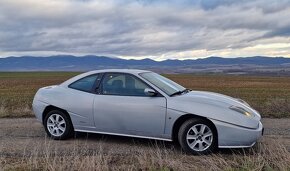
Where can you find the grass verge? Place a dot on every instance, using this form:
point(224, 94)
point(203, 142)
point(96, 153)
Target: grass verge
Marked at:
point(269, 155)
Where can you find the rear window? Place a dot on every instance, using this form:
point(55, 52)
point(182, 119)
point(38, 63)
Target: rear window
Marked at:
point(85, 84)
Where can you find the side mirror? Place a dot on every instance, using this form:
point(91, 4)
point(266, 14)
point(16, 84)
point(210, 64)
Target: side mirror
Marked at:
point(150, 92)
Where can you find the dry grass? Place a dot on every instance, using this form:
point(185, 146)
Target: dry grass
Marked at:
point(17, 90)
point(278, 105)
point(269, 95)
point(269, 155)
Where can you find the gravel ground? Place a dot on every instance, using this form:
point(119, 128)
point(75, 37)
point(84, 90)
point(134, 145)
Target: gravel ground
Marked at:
point(26, 136)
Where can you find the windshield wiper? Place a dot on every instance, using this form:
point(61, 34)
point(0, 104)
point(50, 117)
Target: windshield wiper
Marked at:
point(180, 92)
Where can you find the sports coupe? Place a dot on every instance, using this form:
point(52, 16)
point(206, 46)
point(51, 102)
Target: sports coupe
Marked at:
point(144, 104)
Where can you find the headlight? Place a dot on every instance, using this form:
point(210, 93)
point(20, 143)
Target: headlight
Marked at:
point(242, 101)
point(241, 111)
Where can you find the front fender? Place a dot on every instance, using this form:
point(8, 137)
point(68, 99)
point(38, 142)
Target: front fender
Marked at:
point(213, 111)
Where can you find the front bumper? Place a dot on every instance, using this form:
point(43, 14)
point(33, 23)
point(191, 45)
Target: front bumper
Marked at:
point(233, 136)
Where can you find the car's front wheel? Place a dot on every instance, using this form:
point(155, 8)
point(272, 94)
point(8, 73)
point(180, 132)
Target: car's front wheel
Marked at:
point(58, 125)
point(197, 136)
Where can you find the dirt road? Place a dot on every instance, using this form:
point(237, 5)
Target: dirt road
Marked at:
point(26, 136)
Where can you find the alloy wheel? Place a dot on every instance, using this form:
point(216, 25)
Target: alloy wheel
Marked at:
point(56, 125)
point(199, 137)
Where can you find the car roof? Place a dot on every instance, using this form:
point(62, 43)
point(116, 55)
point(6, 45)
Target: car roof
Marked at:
point(132, 71)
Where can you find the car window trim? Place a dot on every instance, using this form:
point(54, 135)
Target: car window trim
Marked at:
point(96, 83)
point(105, 73)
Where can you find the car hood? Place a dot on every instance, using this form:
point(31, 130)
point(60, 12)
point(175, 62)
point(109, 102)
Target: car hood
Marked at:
point(214, 106)
point(212, 98)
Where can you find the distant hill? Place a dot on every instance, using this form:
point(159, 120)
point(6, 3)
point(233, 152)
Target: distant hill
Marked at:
point(84, 63)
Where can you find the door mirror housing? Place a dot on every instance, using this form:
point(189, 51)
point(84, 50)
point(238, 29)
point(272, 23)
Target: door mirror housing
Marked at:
point(150, 92)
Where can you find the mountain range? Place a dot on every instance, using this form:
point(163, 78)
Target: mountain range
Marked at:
point(84, 63)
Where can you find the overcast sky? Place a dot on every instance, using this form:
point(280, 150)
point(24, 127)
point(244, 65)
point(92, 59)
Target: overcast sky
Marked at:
point(138, 29)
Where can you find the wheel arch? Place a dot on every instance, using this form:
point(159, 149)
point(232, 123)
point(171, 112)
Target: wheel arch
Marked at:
point(50, 108)
point(177, 124)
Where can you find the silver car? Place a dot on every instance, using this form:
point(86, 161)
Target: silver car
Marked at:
point(144, 104)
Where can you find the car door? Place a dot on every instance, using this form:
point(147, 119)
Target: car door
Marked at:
point(122, 107)
point(80, 97)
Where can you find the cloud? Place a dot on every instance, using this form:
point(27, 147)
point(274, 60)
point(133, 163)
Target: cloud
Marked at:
point(144, 28)
point(281, 32)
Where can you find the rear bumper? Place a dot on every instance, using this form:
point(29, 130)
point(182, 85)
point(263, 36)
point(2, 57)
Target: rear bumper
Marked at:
point(233, 136)
point(38, 108)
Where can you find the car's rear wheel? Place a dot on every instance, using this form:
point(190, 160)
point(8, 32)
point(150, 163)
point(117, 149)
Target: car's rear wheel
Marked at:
point(197, 136)
point(58, 125)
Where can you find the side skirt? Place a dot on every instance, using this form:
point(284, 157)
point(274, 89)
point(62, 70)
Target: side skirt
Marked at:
point(126, 135)
point(238, 146)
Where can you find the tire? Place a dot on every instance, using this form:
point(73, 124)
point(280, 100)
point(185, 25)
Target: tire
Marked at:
point(195, 141)
point(58, 125)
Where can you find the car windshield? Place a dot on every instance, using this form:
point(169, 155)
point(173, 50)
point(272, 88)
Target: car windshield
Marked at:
point(167, 86)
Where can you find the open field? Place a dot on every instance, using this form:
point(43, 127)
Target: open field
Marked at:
point(24, 146)
point(269, 95)
point(17, 90)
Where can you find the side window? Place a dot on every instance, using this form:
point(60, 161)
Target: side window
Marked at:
point(85, 84)
point(123, 84)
